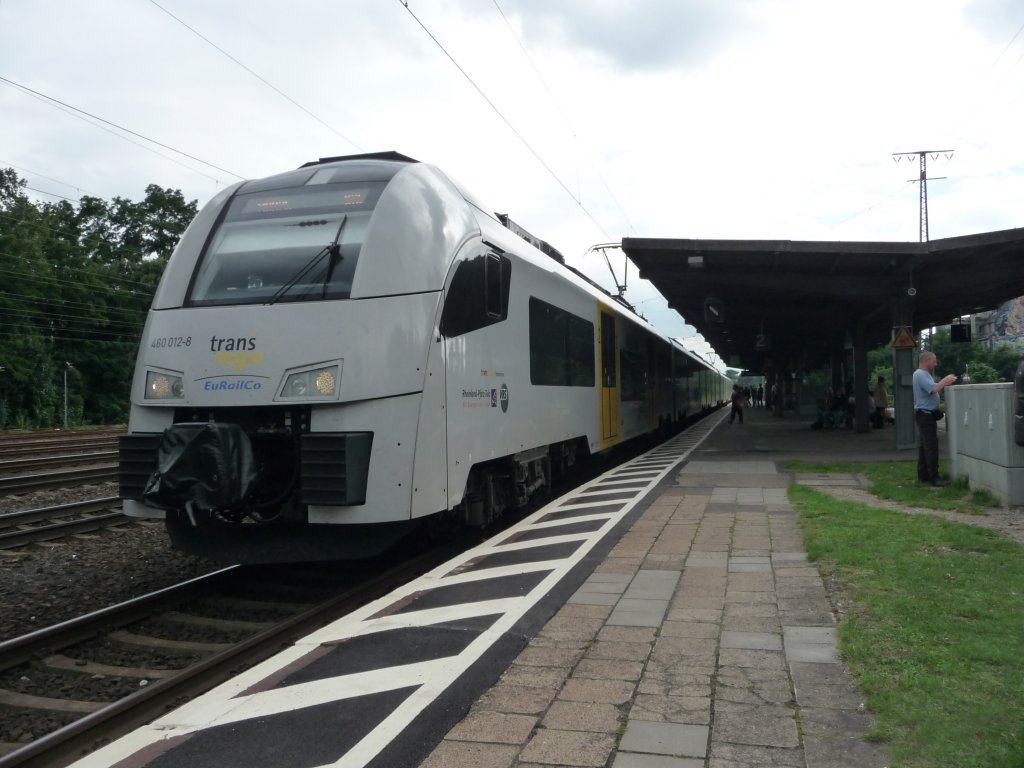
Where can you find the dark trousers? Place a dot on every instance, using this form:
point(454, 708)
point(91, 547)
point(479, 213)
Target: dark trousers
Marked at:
point(928, 447)
point(737, 410)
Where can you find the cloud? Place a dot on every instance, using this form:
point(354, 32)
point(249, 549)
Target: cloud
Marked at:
point(634, 36)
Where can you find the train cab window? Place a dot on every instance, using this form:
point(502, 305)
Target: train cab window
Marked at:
point(478, 294)
point(561, 347)
point(293, 244)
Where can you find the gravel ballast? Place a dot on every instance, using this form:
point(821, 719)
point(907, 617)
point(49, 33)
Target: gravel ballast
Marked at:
point(44, 584)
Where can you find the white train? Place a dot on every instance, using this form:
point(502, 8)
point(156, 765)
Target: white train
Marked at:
point(335, 353)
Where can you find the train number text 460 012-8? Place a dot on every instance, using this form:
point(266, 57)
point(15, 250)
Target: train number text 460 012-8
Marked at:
point(171, 341)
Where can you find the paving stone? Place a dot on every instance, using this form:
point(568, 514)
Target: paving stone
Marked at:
point(633, 760)
point(832, 739)
point(694, 614)
point(692, 710)
point(704, 602)
point(616, 692)
point(737, 657)
point(750, 598)
point(612, 578)
point(748, 756)
point(812, 652)
point(582, 716)
point(685, 646)
point(603, 649)
point(544, 656)
point(751, 582)
point(665, 739)
point(690, 629)
point(741, 685)
point(821, 635)
point(586, 611)
point(594, 598)
point(493, 727)
point(649, 618)
point(535, 677)
point(603, 587)
point(575, 748)
point(751, 624)
point(676, 682)
point(788, 557)
point(763, 641)
point(517, 698)
point(609, 669)
point(626, 634)
point(470, 754)
point(759, 724)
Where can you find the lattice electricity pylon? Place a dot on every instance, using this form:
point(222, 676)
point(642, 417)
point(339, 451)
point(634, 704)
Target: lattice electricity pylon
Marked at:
point(922, 235)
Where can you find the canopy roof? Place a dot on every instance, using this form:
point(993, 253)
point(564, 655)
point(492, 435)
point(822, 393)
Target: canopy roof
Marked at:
point(800, 300)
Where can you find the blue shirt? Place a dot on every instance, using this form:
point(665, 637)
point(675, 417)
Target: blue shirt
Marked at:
point(924, 398)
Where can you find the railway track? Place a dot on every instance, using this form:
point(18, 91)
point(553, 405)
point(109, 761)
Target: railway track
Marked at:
point(8, 451)
point(51, 461)
point(100, 473)
point(42, 439)
point(65, 674)
point(90, 515)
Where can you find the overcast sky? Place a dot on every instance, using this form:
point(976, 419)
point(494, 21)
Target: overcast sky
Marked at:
point(646, 118)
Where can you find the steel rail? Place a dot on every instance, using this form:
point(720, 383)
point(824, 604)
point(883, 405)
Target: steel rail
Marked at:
point(67, 743)
point(18, 650)
point(63, 460)
point(21, 451)
point(63, 529)
point(59, 479)
point(12, 519)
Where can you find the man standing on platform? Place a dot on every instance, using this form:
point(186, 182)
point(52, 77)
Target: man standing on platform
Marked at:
point(926, 416)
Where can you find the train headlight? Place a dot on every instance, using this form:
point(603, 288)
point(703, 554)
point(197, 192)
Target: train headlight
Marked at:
point(326, 381)
point(164, 386)
point(312, 384)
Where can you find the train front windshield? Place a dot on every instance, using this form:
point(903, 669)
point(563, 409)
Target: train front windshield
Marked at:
point(294, 244)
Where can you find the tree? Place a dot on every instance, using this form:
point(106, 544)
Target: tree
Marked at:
point(78, 282)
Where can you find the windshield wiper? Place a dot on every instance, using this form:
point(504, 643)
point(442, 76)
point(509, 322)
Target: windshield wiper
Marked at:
point(333, 248)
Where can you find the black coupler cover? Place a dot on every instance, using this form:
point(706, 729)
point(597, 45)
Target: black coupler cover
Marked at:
point(207, 464)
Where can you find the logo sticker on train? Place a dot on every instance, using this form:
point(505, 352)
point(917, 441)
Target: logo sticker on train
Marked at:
point(226, 384)
point(484, 397)
point(236, 353)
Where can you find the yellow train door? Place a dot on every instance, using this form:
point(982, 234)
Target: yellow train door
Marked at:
point(607, 350)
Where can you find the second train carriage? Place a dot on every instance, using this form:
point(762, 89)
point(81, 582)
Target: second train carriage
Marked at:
point(336, 352)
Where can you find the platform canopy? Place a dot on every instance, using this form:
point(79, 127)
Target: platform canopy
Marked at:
point(758, 300)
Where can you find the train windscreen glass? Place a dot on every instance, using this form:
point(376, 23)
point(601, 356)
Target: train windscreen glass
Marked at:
point(293, 244)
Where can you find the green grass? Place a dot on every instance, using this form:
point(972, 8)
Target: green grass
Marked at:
point(897, 481)
point(934, 632)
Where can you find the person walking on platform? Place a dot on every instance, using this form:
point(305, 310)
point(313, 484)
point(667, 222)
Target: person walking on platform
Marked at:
point(737, 400)
point(926, 416)
point(881, 402)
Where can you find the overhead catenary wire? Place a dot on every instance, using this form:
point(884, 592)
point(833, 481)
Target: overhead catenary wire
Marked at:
point(258, 76)
point(56, 101)
point(5, 163)
point(122, 137)
point(565, 118)
point(52, 194)
point(508, 123)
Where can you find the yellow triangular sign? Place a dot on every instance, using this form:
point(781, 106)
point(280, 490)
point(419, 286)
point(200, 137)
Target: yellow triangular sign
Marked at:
point(904, 339)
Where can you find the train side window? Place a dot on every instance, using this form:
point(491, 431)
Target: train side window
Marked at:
point(478, 294)
point(494, 288)
point(561, 347)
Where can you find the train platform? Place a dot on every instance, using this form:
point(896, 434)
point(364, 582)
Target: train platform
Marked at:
point(662, 616)
point(704, 638)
